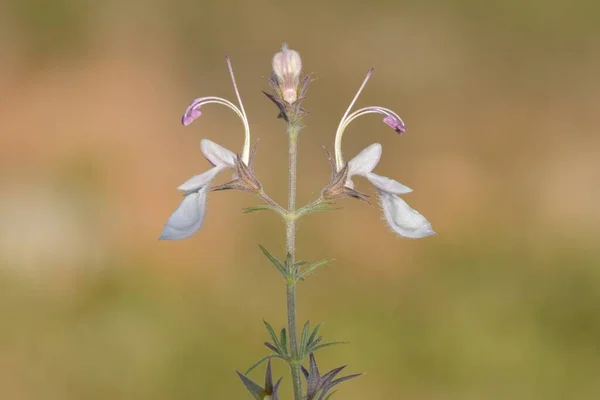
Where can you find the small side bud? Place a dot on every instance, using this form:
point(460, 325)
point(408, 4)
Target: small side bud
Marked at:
point(287, 66)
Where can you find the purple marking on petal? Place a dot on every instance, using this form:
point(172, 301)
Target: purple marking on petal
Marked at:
point(190, 115)
point(396, 125)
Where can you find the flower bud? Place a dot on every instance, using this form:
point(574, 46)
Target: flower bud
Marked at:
point(287, 67)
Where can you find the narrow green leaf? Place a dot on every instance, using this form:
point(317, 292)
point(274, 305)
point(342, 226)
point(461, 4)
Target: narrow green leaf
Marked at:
point(313, 349)
point(284, 341)
point(314, 334)
point(319, 394)
point(346, 378)
point(324, 206)
point(273, 336)
point(301, 263)
point(313, 267)
point(264, 207)
point(330, 394)
point(262, 360)
point(316, 341)
point(274, 261)
point(269, 346)
point(304, 339)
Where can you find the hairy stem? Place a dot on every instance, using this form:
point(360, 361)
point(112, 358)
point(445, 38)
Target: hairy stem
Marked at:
point(290, 244)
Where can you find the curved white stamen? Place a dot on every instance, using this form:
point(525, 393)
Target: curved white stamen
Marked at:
point(339, 161)
point(371, 110)
point(246, 150)
point(360, 89)
point(338, 135)
point(198, 103)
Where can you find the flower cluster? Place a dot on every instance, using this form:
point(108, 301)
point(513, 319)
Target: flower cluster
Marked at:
point(289, 92)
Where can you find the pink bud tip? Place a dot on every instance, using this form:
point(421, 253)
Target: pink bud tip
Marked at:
point(396, 125)
point(190, 115)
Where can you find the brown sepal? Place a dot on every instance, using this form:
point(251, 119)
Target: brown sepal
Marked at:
point(337, 189)
point(304, 86)
point(272, 81)
point(282, 105)
point(244, 178)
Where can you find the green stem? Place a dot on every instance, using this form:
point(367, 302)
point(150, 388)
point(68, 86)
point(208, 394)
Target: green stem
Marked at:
point(290, 246)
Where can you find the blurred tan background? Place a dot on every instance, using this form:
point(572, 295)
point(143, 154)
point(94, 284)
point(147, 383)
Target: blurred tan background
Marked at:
point(501, 101)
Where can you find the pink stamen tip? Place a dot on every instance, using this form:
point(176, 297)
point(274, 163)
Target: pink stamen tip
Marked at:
point(190, 116)
point(396, 125)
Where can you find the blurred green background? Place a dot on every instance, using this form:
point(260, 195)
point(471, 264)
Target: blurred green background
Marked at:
point(501, 101)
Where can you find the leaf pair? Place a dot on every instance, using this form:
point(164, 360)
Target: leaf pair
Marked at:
point(293, 271)
point(312, 343)
point(279, 345)
point(312, 267)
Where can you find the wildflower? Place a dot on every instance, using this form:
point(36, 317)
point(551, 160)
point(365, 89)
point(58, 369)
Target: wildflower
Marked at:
point(400, 217)
point(269, 392)
point(188, 217)
point(287, 66)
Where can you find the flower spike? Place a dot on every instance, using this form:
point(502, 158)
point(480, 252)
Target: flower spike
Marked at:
point(290, 86)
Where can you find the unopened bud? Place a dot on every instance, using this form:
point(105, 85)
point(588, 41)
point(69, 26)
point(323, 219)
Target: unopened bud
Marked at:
point(287, 67)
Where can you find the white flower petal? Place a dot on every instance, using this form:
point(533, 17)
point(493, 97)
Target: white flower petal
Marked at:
point(402, 219)
point(365, 161)
point(387, 185)
point(217, 155)
point(349, 183)
point(199, 181)
point(187, 218)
